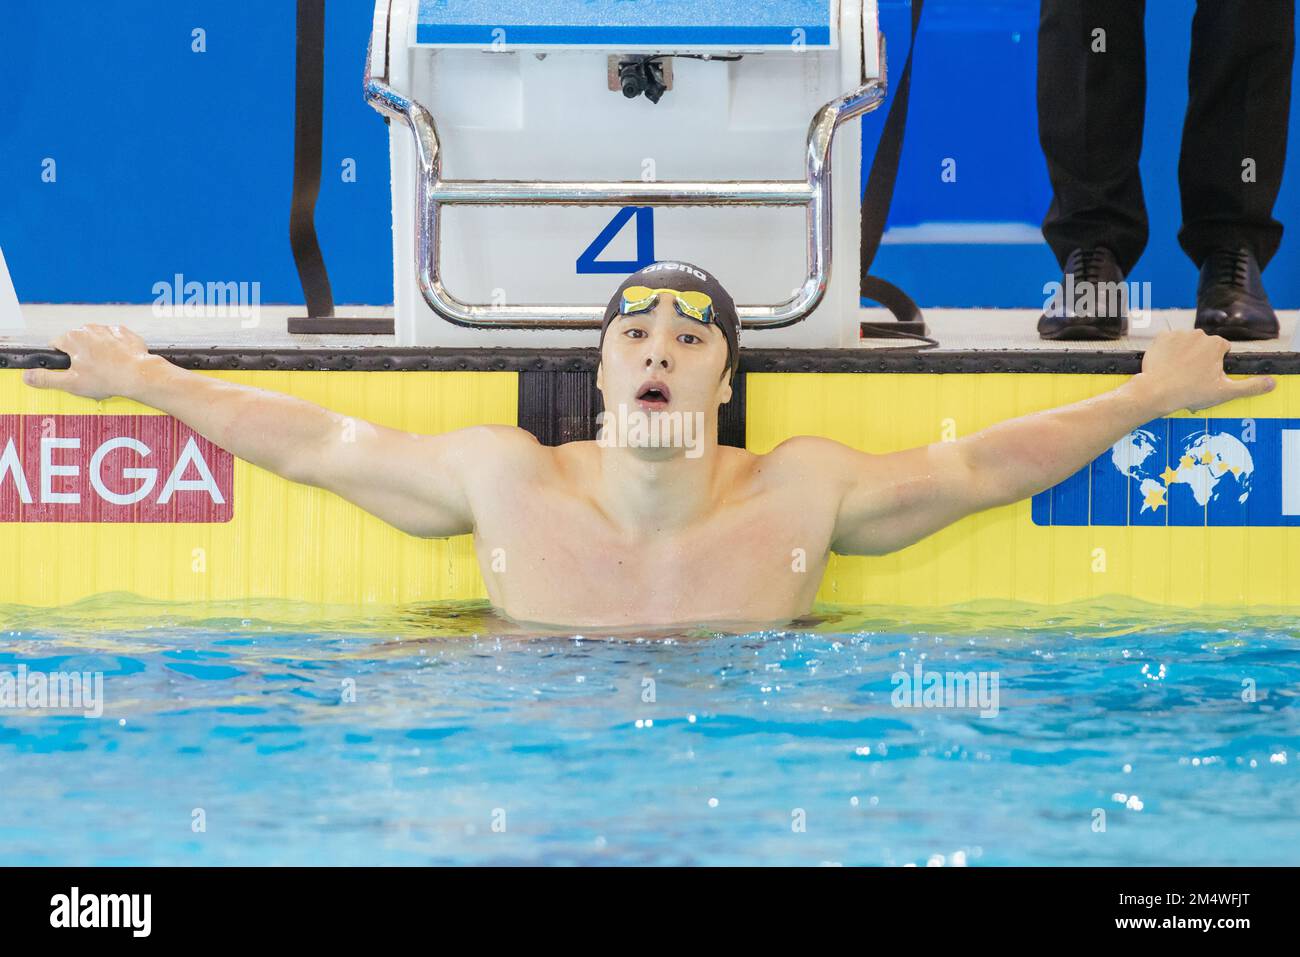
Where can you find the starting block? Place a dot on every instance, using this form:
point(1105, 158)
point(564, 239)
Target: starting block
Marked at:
point(543, 150)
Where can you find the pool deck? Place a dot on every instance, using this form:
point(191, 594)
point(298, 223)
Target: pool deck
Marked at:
point(970, 340)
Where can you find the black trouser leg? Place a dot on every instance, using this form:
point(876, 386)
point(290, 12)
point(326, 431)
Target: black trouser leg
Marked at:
point(1091, 101)
point(1234, 136)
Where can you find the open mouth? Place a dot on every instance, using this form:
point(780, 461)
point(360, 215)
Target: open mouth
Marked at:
point(653, 394)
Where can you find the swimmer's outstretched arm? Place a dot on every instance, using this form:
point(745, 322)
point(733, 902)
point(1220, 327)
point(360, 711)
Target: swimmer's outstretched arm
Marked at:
point(890, 501)
point(416, 483)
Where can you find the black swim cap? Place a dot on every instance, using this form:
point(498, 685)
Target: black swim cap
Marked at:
point(671, 274)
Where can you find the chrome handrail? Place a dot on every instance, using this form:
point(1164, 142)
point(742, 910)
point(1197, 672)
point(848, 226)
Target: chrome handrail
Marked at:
point(813, 192)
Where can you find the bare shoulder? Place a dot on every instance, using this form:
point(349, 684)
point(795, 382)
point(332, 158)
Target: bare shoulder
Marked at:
point(498, 446)
point(505, 438)
point(813, 458)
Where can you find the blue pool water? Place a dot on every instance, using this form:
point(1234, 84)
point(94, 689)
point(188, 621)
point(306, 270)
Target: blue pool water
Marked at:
point(291, 734)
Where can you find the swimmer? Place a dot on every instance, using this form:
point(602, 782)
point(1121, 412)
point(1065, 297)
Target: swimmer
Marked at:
point(628, 531)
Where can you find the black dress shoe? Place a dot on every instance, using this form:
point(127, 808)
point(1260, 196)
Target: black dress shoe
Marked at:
point(1230, 297)
point(1092, 302)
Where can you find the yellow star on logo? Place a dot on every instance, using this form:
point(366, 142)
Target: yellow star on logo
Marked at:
point(1186, 462)
point(1155, 497)
point(1169, 475)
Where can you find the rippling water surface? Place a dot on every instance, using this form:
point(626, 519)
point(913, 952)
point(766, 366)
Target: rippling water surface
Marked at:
point(260, 733)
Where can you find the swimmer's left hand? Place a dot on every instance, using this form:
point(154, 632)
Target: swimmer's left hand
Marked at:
point(104, 361)
point(1184, 370)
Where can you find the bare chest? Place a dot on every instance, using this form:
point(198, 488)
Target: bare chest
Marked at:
point(556, 558)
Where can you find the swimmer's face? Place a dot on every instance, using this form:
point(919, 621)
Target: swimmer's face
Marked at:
point(687, 357)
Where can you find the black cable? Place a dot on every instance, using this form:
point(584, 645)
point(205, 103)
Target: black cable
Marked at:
point(308, 120)
point(879, 192)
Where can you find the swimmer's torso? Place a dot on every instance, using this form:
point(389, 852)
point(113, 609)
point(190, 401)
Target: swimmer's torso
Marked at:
point(548, 553)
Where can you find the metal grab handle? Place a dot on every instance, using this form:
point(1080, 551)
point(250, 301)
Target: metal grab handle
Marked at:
point(432, 191)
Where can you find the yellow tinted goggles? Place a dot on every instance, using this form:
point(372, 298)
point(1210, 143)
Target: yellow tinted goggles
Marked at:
point(689, 303)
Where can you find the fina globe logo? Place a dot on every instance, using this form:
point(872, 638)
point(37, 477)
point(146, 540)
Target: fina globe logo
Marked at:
point(1192, 471)
point(111, 468)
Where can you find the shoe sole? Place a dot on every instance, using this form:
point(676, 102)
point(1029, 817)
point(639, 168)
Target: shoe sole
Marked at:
point(1240, 333)
point(1079, 331)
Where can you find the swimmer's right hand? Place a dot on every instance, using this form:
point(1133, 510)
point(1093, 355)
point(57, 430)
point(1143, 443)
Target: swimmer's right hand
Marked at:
point(1184, 370)
point(105, 361)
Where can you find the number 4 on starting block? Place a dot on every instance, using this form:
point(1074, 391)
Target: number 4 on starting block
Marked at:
point(645, 243)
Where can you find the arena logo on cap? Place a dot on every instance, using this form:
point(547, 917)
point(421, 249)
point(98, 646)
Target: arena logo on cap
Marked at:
point(111, 468)
point(679, 267)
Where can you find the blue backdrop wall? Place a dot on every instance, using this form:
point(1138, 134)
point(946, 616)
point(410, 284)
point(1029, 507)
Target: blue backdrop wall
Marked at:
point(167, 160)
